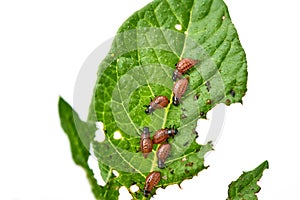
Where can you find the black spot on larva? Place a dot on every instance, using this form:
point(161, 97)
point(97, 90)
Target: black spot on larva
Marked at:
point(232, 92)
point(208, 86)
point(227, 102)
point(189, 164)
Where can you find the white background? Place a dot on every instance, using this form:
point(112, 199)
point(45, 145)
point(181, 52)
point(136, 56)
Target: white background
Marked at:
point(42, 47)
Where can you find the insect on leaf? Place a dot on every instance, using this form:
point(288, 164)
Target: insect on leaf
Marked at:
point(139, 67)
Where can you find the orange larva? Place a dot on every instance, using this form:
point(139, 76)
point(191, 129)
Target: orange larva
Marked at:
point(146, 143)
point(162, 154)
point(162, 135)
point(179, 89)
point(151, 181)
point(182, 66)
point(157, 103)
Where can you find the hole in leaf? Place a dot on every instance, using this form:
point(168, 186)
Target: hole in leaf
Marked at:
point(124, 193)
point(116, 173)
point(172, 171)
point(134, 188)
point(99, 133)
point(178, 27)
point(117, 135)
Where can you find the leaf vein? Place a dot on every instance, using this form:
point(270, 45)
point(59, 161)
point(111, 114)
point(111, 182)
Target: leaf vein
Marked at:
point(125, 160)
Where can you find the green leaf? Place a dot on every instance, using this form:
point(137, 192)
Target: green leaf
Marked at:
point(139, 66)
point(245, 187)
point(80, 154)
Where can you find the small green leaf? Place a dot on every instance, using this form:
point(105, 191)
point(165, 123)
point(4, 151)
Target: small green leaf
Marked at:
point(80, 154)
point(245, 187)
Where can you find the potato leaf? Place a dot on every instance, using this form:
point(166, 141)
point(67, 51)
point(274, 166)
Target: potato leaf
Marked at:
point(80, 154)
point(139, 67)
point(245, 187)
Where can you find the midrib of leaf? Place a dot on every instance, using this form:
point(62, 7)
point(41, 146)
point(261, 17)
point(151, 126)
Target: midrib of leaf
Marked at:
point(245, 187)
point(154, 161)
point(167, 112)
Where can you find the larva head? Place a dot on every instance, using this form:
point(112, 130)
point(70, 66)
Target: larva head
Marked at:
point(146, 130)
point(149, 110)
point(146, 133)
point(146, 193)
point(175, 101)
point(172, 131)
point(161, 164)
point(176, 74)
